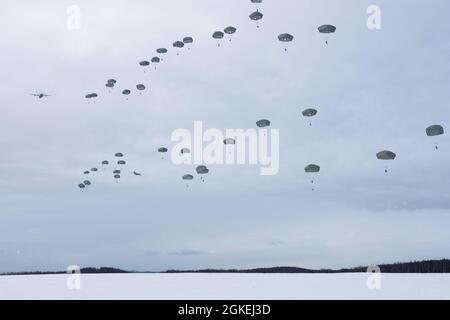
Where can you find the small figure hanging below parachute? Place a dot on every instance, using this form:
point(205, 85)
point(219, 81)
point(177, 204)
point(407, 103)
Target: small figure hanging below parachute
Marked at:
point(434, 131)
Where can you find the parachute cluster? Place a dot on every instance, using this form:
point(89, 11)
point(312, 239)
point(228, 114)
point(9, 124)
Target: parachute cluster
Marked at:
point(116, 173)
point(326, 30)
point(218, 36)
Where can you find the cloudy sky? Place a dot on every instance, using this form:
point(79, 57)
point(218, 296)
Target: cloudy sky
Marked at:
point(374, 89)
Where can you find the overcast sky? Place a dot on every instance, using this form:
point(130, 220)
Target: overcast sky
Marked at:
point(374, 90)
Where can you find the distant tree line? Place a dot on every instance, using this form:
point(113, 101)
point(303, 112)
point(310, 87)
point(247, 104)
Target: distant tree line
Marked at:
point(82, 270)
point(427, 266)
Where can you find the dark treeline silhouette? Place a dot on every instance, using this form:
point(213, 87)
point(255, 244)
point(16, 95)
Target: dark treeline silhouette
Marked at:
point(82, 270)
point(427, 266)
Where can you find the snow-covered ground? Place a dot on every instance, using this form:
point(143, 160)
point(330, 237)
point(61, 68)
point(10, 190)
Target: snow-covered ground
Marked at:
point(226, 286)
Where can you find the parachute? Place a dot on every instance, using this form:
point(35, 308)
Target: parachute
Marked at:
point(229, 141)
point(87, 183)
point(116, 172)
point(121, 162)
point(163, 150)
point(313, 169)
point(81, 186)
point(187, 178)
point(230, 31)
point(118, 155)
point(327, 29)
point(140, 87)
point(161, 51)
point(117, 177)
point(86, 172)
point(179, 45)
point(188, 41)
point(433, 131)
point(256, 16)
point(144, 64)
point(202, 170)
point(105, 162)
point(386, 156)
point(137, 173)
point(94, 169)
point(308, 113)
point(285, 37)
point(156, 60)
point(218, 35)
point(126, 92)
point(263, 123)
point(91, 96)
point(185, 151)
point(110, 83)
